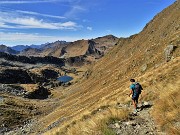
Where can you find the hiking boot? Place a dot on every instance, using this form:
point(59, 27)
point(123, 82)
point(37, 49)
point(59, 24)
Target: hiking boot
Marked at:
point(139, 109)
point(135, 111)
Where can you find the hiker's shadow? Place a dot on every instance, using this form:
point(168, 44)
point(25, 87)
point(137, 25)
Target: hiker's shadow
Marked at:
point(145, 106)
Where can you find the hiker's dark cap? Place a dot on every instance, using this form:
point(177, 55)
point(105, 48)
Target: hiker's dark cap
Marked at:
point(132, 80)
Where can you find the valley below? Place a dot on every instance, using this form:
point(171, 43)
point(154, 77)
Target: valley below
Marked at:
point(94, 99)
point(28, 89)
point(32, 83)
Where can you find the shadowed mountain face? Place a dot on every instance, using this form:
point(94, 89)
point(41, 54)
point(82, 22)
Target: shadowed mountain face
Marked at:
point(32, 60)
point(6, 49)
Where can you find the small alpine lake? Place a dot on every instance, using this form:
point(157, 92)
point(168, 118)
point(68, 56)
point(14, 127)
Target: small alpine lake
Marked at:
point(65, 79)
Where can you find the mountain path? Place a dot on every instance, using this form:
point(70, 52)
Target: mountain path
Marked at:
point(139, 123)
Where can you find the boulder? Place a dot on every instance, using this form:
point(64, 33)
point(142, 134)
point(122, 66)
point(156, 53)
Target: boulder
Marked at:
point(144, 67)
point(168, 52)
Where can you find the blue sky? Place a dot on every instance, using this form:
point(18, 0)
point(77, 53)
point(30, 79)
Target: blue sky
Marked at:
point(40, 21)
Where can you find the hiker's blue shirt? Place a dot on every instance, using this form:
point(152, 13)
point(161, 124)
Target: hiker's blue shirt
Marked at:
point(132, 86)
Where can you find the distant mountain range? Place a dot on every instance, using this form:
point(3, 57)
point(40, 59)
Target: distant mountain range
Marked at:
point(91, 49)
point(9, 50)
point(23, 47)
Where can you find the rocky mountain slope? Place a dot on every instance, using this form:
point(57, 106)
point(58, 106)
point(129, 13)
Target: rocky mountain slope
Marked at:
point(151, 57)
point(6, 49)
point(49, 49)
point(103, 44)
point(76, 53)
point(94, 48)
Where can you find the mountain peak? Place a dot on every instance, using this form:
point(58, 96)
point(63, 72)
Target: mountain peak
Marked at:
point(6, 49)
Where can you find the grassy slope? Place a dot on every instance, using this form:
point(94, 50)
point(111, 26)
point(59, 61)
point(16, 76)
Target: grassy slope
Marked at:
point(109, 80)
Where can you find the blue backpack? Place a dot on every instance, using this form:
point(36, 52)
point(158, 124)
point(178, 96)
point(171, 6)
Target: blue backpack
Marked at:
point(137, 88)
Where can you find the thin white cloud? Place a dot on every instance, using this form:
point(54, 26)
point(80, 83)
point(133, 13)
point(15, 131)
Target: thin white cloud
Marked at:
point(13, 20)
point(39, 14)
point(24, 1)
point(89, 28)
point(78, 7)
point(74, 10)
point(3, 25)
point(25, 38)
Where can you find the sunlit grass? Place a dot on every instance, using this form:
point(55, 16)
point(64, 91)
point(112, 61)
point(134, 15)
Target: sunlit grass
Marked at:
point(166, 110)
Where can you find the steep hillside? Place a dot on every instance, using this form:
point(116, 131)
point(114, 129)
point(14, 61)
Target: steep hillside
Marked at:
point(78, 48)
point(53, 49)
point(105, 43)
point(6, 49)
point(30, 52)
point(143, 56)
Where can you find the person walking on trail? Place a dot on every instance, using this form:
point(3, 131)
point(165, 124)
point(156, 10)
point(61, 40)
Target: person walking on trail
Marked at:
point(135, 91)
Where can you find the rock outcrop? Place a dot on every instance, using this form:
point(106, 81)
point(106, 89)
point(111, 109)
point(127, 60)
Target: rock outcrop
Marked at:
point(12, 76)
point(168, 51)
point(33, 60)
point(39, 93)
point(75, 61)
point(49, 74)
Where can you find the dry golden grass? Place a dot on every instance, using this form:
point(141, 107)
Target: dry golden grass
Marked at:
point(162, 86)
point(29, 87)
point(39, 70)
point(84, 104)
point(95, 124)
point(166, 111)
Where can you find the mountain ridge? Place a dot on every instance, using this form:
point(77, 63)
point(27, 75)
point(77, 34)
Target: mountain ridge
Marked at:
point(73, 49)
point(83, 51)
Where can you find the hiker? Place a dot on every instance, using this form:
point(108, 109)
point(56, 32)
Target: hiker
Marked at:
point(135, 92)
